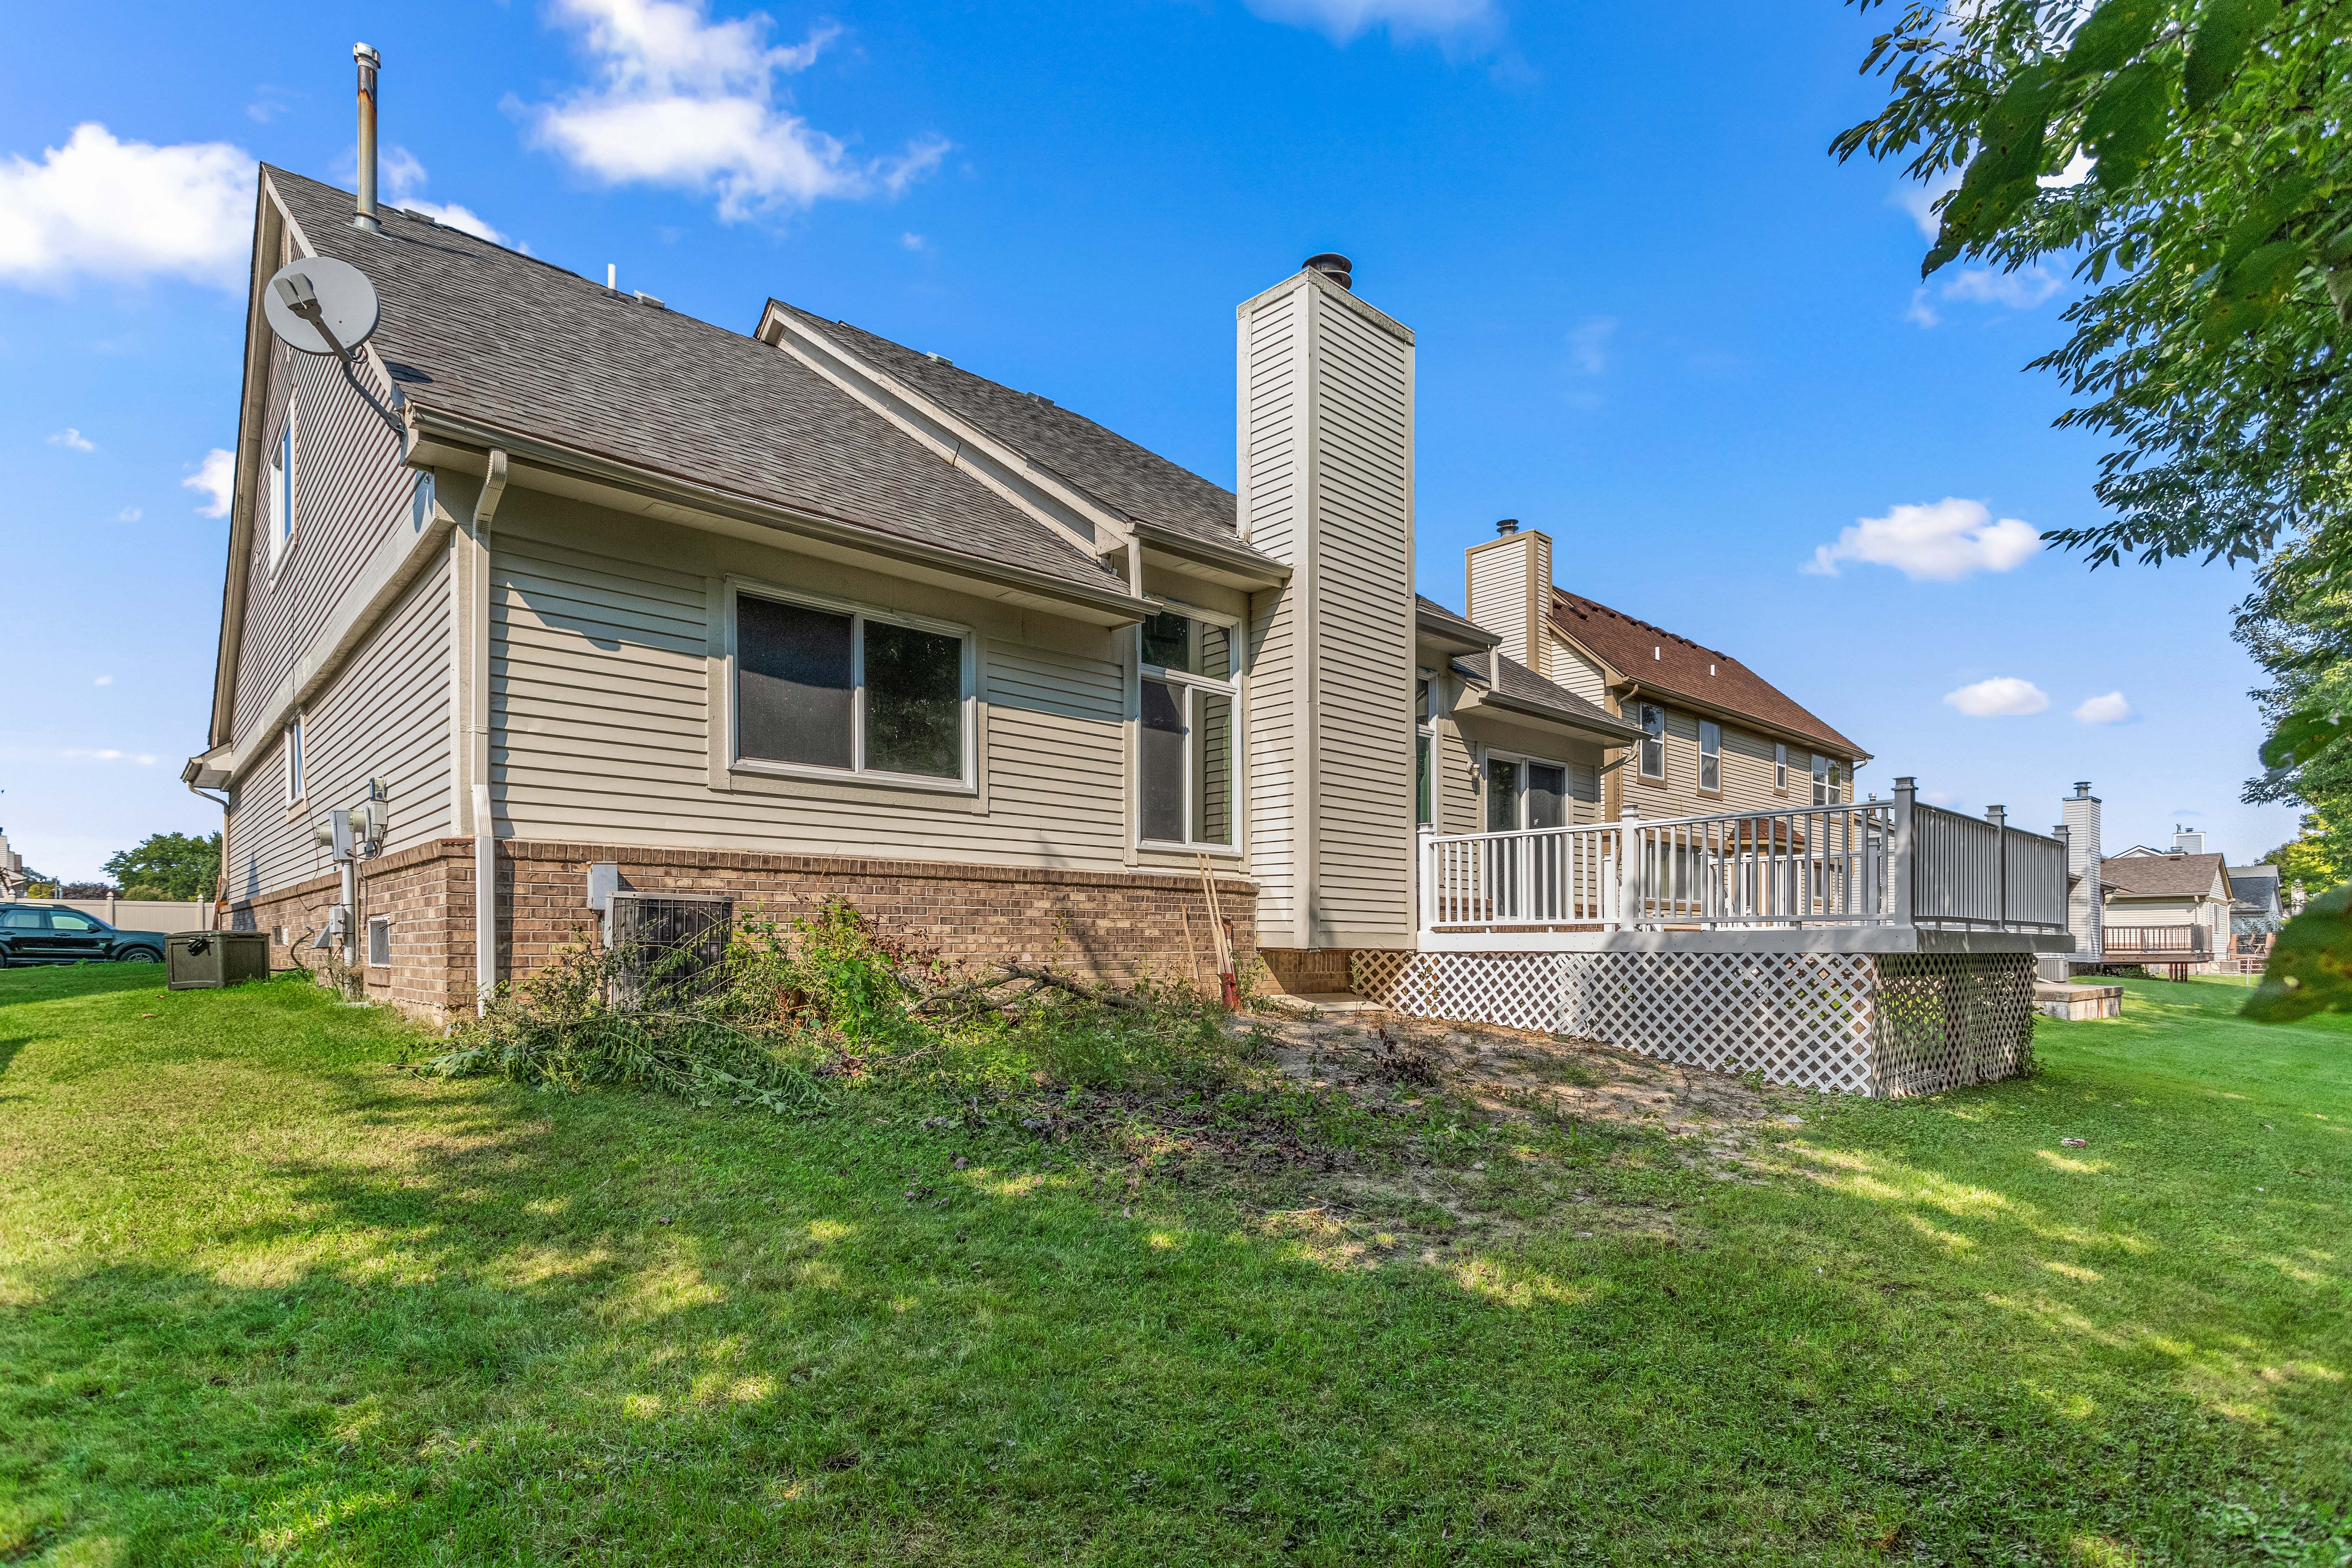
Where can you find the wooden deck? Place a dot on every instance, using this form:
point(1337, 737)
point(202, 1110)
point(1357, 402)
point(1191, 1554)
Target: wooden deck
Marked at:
point(2176, 949)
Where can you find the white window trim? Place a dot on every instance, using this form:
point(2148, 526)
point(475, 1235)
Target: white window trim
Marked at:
point(284, 515)
point(860, 613)
point(1231, 687)
point(1520, 804)
point(1779, 767)
point(1705, 788)
point(1641, 748)
point(1426, 730)
point(295, 765)
point(1825, 780)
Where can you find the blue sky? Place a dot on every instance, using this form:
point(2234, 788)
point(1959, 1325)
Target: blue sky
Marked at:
point(1655, 319)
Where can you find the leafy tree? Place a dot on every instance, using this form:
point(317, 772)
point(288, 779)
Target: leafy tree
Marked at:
point(2211, 232)
point(168, 866)
point(2320, 858)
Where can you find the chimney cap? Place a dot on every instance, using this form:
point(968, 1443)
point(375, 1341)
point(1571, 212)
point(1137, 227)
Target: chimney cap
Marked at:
point(365, 55)
point(1334, 265)
point(2082, 789)
point(1506, 525)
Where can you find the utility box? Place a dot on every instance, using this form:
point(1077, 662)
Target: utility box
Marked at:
point(208, 960)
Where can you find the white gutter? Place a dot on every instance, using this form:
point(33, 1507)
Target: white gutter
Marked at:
point(486, 842)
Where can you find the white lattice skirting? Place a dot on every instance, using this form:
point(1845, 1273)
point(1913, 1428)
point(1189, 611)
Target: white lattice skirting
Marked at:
point(1863, 1023)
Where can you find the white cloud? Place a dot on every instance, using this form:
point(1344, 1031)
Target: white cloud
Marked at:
point(216, 478)
point(2004, 696)
point(1919, 200)
point(126, 210)
point(1942, 542)
point(1343, 20)
point(144, 759)
point(103, 681)
point(694, 103)
point(2020, 291)
point(2078, 169)
point(453, 216)
point(402, 177)
point(1921, 311)
point(1588, 344)
point(2109, 709)
point(128, 514)
point(73, 440)
point(914, 242)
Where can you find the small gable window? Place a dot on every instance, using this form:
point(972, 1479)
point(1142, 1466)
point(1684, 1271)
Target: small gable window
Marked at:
point(278, 503)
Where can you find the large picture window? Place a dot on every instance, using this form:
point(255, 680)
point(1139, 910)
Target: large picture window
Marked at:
point(1184, 733)
point(840, 690)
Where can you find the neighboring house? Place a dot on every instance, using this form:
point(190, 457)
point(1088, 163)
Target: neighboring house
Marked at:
point(2261, 908)
point(2163, 892)
point(776, 616)
point(1716, 736)
point(12, 871)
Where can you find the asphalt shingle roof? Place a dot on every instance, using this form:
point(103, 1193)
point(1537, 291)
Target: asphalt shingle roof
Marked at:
point(1668, 665)
point(1523, 685)
point(1133, 480)
point(488, 334)
point(2162, 876)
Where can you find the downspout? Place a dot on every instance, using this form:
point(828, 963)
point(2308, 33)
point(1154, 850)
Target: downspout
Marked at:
point(486, 843)
point(220, 884)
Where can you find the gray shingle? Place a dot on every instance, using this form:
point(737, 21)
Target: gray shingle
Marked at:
point(1106, 465)
point(489, 334)
point(1524, 685)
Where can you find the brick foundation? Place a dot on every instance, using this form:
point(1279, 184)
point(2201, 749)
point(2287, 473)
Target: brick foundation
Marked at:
point(1105, 926)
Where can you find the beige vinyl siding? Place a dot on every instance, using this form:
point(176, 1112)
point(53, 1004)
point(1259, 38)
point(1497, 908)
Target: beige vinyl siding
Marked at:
point(1579, 673)
point(1746, 772)
point(603, 725)
point(1509, 581)
point(1458, 809)
point(349, 490)
point(1271, 361)
point(384, 716)
point(1364, 654)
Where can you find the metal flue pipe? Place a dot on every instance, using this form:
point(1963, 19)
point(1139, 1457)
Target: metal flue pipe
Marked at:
point(368, 61)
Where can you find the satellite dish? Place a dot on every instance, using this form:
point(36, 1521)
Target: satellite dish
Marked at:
point(320, 306)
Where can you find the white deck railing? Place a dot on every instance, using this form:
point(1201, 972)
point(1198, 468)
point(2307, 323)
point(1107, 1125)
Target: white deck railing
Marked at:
point(1869, 863)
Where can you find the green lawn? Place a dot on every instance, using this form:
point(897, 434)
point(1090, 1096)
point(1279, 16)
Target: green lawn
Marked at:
point(265, 1299)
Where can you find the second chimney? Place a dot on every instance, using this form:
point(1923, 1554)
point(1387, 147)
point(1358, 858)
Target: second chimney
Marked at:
point(1509, 592)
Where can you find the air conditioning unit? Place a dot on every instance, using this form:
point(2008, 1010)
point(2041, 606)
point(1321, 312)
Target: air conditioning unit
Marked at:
point(667, 944)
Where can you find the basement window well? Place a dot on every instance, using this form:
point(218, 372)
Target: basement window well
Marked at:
point(1184, 732)
point(828, 688)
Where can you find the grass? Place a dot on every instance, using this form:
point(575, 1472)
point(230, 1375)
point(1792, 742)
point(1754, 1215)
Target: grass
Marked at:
point(263, 1300)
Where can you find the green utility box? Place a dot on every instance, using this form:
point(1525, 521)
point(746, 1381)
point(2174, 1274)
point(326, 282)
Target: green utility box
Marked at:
point(208, 960)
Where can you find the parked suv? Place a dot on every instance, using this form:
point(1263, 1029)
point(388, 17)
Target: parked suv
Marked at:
point(45, 933)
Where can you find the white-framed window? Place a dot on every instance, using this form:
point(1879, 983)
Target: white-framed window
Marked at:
point(294, 761)
point(1525, 792)
point(825, 688)
point(1424, 748)
point(1184, 735)
point(1779, 767)
point(279, 501)
point(379, 941)
point(1828, 780)
point(1653, 742)
point(1710, 757)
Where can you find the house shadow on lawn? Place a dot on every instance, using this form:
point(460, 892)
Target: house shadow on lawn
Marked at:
point(493, 1325)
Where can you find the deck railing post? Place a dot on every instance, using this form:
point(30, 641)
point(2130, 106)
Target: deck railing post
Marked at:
point(1425, 857)
point(1902, 895)
point(1999, 816)
point(1629, 869)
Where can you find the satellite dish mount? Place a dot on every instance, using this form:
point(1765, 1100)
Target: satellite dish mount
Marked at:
point(322, 306)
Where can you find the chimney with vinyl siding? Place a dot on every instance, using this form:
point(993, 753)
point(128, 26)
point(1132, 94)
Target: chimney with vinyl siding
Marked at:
point(1325, 390)
point(2085, 913)
point(1509, 592)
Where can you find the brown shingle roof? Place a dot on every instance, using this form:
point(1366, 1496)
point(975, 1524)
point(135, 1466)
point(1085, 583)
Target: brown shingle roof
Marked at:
point(1664, 665)
point(2163, 876)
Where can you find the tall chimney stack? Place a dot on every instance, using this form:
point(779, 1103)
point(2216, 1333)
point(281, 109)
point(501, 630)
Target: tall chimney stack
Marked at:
point(367, 59)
